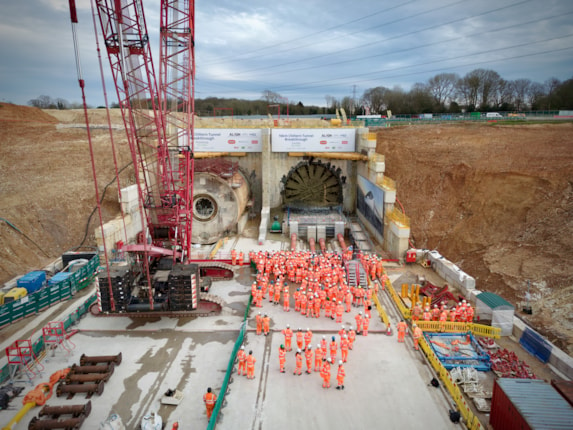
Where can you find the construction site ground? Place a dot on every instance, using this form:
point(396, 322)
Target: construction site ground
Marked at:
point(497, 200)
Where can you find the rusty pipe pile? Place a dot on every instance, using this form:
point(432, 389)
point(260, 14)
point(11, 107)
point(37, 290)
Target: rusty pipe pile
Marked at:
point(54, 417)
point(90, 376)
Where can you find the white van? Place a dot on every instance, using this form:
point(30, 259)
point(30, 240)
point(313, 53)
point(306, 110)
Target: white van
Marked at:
point(493, 115)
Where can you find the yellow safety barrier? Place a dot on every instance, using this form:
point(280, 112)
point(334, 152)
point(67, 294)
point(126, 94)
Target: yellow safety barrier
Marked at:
point(406, 313)
point(485, 330)
point(471, 420)
point(459, 327)
point(381, 310)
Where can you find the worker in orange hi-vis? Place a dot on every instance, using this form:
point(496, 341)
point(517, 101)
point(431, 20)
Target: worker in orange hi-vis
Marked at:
point(277, 297)
point(427, 316)
point(443, 319)
point(348, 300)
point(287, 332)
point(435, 313)
point(242, 360)
point(308, 356)
point(307, 338)
point(416, 334)
point(241, 258)
point(339, 312)
point(402, 327)
point(233, 256)
point(272, 287)
point(325, 373)
point(318, 356)
point(286, 298)
point(340, 376)
point(416, 312)
point(453, 314)
point(470, 313)
point(251, 365)
point(333, 349)
point(298, 363)
point(303, 301)
point(344, 345)
point(282, 358)
point(317, 305)
point(266, 324)
point(368, 307)
point(341, 332)
point(358, 319)
point(300, 339)
point(327, 307)
point(351, 337)
point(365, 325)
point(209, 398)
point(259, 320)
point(260, 294)
point(323, 346)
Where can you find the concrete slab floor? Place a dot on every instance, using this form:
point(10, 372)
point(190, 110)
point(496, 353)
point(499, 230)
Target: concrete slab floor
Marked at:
point(386, 382)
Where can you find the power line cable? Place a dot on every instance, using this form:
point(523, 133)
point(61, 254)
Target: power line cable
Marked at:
point(306, 36)
point(363, 45)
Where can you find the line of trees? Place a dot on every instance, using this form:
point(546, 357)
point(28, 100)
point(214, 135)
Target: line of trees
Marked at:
point(47, 102)
point(479, 90)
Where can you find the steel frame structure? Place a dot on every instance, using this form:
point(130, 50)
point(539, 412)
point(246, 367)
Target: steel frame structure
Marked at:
point(158, 120)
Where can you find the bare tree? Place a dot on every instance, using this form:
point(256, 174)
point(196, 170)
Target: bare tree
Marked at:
point(443, 87)
point(520, 90)
point(535, 94)
point(271, 97)
point(375, 99)
point(468, 88)
point(490, 80)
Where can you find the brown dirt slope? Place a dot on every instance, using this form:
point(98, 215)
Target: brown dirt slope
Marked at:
point(46, 188)
point(498, 201)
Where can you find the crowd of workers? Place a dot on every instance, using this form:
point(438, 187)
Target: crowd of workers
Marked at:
point(321, 291)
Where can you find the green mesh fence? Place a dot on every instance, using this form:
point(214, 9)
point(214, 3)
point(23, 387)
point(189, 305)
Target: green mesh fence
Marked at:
point(221, 398)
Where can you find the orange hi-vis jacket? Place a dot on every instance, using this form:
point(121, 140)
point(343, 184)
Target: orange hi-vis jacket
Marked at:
point(210, 399)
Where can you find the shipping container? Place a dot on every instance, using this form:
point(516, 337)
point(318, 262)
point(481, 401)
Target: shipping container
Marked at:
point(528, 404)
point(565, 388)
point(32, 281)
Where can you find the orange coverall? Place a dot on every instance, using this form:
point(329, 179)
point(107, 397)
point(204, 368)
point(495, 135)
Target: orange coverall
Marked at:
point(340, 376)
point(308, 356)
point(251, 367)
point(317, 358)
point(259, 319)
point(325, 373)
point(298, 368)
point(242, 356)
point(209, 399)
point(288, 338)
point(417, 334)
point(282, 359)
point(402, 327)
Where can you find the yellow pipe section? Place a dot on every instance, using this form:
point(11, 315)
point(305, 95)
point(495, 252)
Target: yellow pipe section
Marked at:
point(216, 249)
point(218, 154)
point(336, 155)
point(19, 415)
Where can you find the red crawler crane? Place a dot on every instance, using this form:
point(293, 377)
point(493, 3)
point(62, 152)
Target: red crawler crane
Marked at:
point(158, 119)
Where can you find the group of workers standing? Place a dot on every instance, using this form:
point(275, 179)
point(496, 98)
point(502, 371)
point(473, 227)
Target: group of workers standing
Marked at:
point(321, 286)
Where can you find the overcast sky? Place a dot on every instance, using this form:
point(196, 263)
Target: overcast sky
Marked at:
point(303, 50)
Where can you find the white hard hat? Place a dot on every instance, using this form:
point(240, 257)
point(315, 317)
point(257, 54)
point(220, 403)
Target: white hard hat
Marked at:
point(318, 345)
point(298, 350)
point(340, 363)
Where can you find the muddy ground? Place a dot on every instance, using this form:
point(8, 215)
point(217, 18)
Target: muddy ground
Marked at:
point(495, 199)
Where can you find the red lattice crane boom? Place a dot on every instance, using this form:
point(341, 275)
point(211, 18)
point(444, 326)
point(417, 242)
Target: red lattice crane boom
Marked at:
point(158, 118)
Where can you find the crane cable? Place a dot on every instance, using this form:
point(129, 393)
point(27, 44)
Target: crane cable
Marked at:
point(23, 234)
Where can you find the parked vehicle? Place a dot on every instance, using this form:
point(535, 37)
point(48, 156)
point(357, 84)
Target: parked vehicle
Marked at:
point(493, 115)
